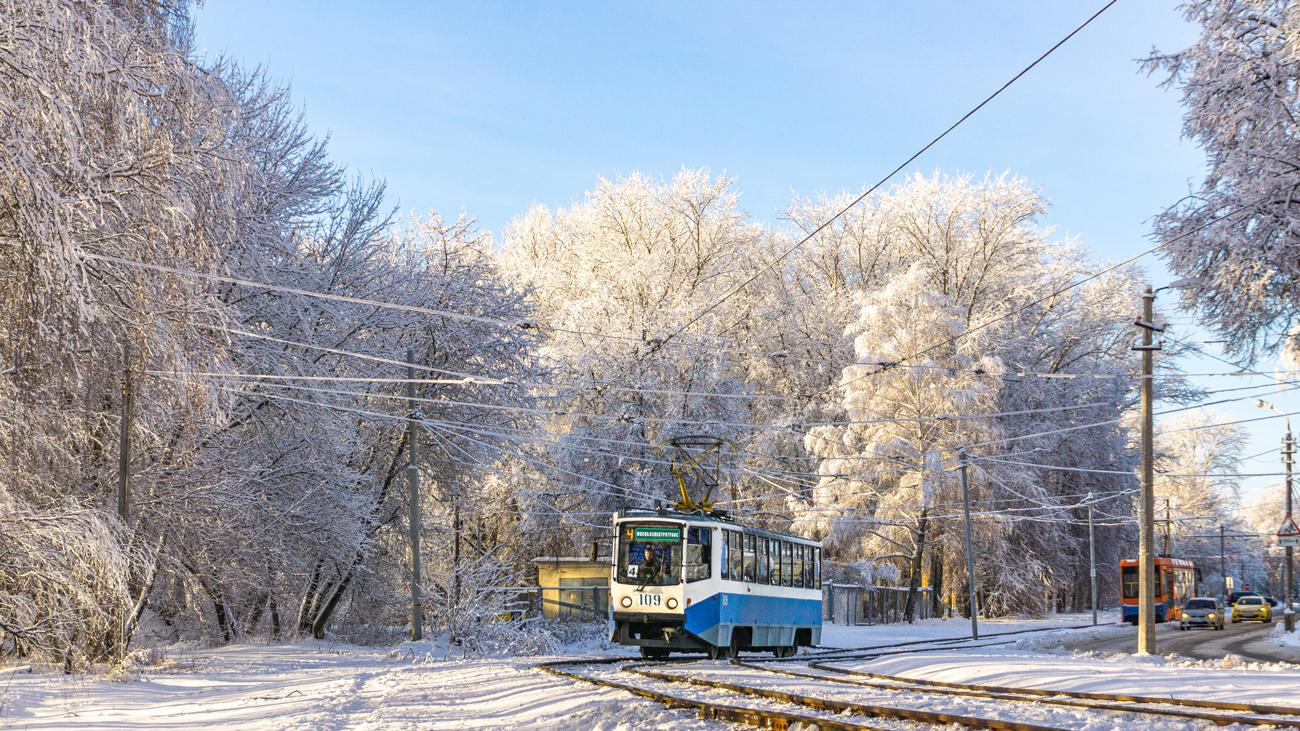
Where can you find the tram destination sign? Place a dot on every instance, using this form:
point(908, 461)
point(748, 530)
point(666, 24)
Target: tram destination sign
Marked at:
point(656, 533)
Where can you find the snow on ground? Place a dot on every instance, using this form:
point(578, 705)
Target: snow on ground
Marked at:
point(319, 685)
point(1279, 636)
point(323, 687)
point(1149, 675)
point(1043, 714)
point(930, 629)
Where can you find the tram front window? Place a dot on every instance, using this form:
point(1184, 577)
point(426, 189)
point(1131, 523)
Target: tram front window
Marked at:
point(1129, 581)
point(650, 555)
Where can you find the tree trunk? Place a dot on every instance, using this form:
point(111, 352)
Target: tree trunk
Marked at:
point(275, 620)
point(309, 600)
point(318, 622)
point(318, 627)
point(914, 581)
point(258, 607)
point(936, 582)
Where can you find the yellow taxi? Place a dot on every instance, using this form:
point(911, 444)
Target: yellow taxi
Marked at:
point(1252, 607)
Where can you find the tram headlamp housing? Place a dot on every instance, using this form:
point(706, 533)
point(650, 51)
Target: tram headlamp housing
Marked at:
point(626, 601)
point(672, 602)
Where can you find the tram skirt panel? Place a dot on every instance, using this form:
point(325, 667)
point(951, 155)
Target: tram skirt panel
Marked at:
point(773, 619)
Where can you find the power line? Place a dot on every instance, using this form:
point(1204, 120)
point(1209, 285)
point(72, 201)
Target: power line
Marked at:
point(880, 182)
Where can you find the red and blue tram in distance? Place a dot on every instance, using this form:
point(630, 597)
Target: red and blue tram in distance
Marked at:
point(1175, 584)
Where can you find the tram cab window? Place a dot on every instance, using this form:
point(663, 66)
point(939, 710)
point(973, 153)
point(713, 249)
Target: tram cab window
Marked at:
point(764, 568)
point(1128, 577)
point(699, 554)
point(650, 555)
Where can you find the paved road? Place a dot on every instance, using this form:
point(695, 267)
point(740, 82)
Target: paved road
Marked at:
point(1241, 639)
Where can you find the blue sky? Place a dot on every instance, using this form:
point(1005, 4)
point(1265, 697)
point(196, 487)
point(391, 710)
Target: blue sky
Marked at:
point(491, 107)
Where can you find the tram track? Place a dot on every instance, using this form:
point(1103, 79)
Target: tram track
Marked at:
point(1263, 715)
point(1183, 710)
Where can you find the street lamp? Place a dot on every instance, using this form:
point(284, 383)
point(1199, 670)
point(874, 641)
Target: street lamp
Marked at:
point(1147, 503)
point(1287, 446)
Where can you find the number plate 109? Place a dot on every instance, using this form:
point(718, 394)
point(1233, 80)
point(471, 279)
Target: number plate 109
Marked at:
point(649, 600)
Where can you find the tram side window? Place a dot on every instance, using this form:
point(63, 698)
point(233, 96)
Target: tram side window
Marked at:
point(798, 565)
point(764, 571)
point(774, 557)
point(787, 564)
point(817, 568)
point(699, 553)
point(751, 560)
point(735, 555)
point(722, 560)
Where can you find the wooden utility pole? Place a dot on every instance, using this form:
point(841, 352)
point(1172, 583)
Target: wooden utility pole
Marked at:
point(413, 488)
point(124, 438)
point(970, 557)
point(1146, 505)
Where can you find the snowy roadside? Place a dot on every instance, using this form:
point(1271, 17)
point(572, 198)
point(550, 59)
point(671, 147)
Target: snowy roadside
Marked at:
point(1280, 637)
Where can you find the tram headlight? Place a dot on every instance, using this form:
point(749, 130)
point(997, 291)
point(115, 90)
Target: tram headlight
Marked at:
point(626, 601)
point(672, 602)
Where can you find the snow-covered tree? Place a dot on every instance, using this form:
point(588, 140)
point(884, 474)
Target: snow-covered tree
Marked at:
point(1241, 87)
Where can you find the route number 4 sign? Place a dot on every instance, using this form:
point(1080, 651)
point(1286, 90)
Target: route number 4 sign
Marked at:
point(1289, 533)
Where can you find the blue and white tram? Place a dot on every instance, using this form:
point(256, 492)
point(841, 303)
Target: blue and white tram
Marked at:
point(694, 581)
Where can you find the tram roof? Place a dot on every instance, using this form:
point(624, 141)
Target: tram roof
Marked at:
point(643, 514)
point(1178, 563)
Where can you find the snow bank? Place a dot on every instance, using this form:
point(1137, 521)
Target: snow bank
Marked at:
point(1279, 636)
point(839, 636)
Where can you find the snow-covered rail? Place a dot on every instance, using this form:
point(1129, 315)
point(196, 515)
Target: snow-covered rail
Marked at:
point(822, 687)
point(1262, 715)
point(837, 706)
point(707, 709)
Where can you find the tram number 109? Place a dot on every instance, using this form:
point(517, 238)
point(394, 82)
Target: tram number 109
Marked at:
point(650, 600)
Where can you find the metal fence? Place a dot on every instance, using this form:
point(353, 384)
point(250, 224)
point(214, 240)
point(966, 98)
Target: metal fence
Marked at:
point(565, 601)
point(856, 604)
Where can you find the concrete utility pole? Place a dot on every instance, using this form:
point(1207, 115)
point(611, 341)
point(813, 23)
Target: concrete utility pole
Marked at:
point(970, 558)
point(413, 488)
point(124, 437)
point(1288, 455)
point(1147, 508)
point(1223, 565)
point(1289, 617)
point(1092, 563)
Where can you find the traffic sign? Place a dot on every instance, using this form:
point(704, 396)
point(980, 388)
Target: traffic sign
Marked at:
point(1245, 587)
point(1289, 533)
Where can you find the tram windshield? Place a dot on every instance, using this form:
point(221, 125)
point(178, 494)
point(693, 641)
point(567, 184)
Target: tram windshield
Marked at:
point(650, 554)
